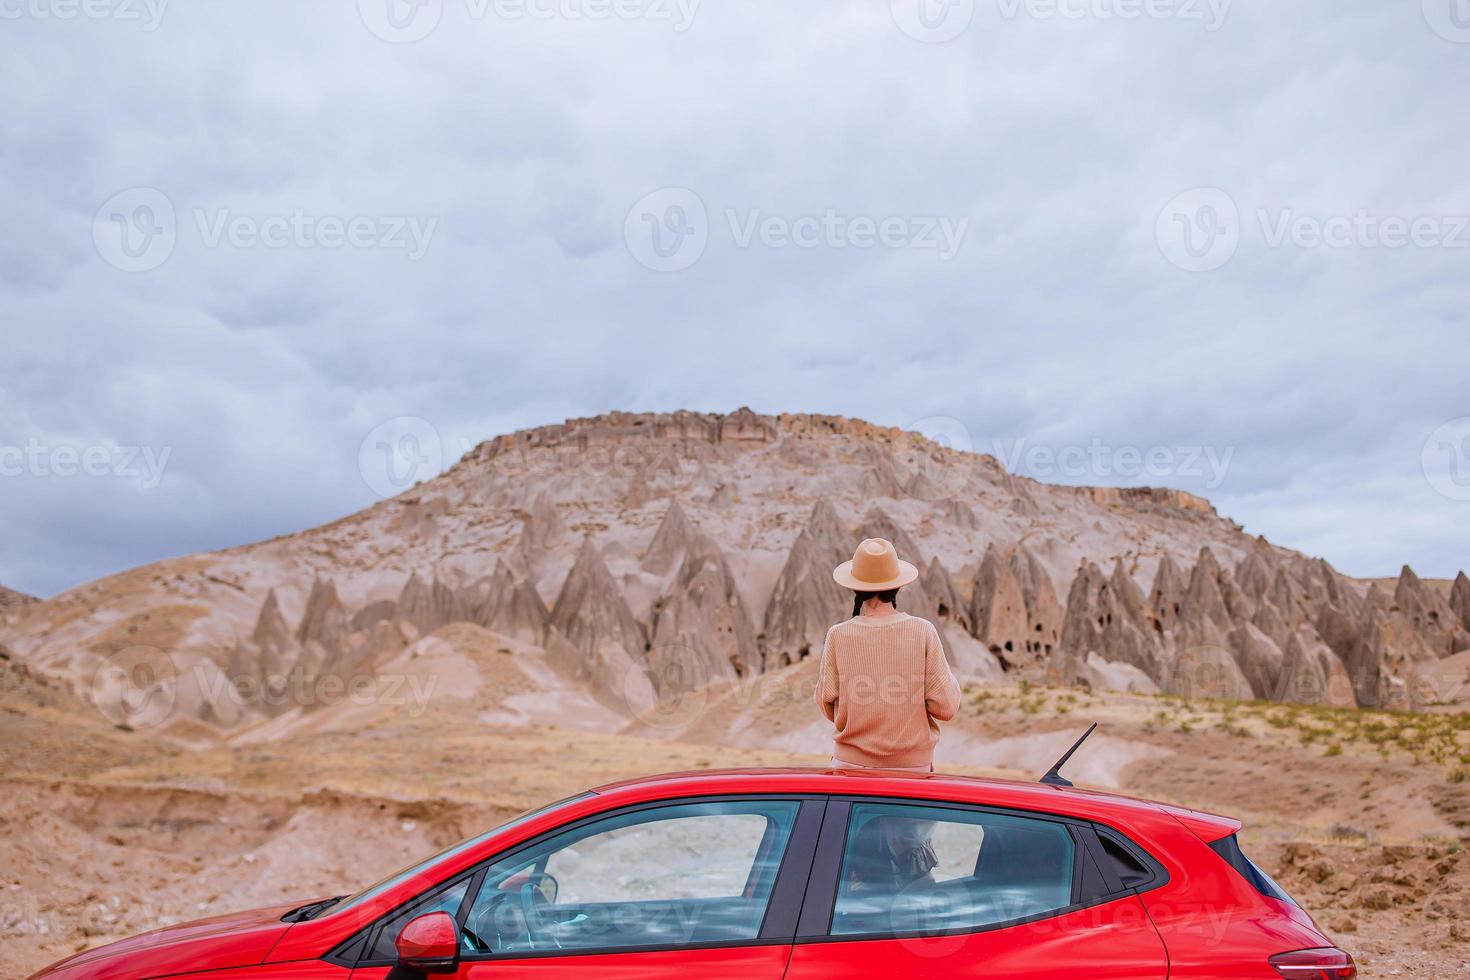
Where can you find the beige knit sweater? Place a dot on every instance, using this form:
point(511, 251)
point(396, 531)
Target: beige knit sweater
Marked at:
point(886, 686)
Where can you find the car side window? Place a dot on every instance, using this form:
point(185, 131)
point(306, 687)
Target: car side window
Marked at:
point(922, 869)
point(688, 874)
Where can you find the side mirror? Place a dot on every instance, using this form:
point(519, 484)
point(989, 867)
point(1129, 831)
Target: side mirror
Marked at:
point(429, 944)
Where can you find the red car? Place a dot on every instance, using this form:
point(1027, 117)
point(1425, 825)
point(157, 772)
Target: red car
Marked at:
point(792, 873)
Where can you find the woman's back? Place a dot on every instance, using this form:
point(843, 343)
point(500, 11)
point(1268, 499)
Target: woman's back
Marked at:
point(885, 686)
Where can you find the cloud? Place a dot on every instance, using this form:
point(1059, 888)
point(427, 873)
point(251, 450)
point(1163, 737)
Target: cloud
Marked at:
point(261, 365)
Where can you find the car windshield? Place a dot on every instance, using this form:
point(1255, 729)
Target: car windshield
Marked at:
point(372, 891)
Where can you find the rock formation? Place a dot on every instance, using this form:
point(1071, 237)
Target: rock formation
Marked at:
point(1106, 615)
point(1224, 613)
point(948, 606)
point(1044, 612)
point(1293, 628)
point(260, 667)
point(11, 601)
point(702, 632)
point(1429, 614)
point(373, 613)
point(1167, 595)
point(429, 607)
point(806, 601)
point(1460, 599)
point(1204, 670)
point(1312, 674)
point(803, 605)
point(960, 514)
point(881, 476)
point(512, 607)
point(593, 618)
point(542, 527)
point(998, 610)
point(325, 619)
point(670, 542)
point(363, 657)
point(1013, 607)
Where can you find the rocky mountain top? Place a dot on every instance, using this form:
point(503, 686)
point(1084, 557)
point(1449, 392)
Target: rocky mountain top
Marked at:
point(11, 600)
point(642, 556)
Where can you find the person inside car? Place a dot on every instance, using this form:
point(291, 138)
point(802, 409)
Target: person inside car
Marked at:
point(891, 855)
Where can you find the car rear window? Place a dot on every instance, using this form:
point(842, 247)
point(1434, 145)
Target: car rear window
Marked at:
point(1129, 867)
point(1229, 849)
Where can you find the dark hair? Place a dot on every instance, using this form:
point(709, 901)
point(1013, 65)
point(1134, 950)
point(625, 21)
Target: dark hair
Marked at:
point(887, 595)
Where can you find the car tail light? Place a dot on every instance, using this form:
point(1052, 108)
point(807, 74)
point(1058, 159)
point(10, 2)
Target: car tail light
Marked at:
point(1327, 963)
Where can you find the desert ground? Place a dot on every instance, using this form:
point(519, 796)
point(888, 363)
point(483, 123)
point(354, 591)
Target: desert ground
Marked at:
point(633, 594)
point(1363, 816)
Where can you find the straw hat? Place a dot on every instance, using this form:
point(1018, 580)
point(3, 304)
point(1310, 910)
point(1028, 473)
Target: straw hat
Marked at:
point(875, 567)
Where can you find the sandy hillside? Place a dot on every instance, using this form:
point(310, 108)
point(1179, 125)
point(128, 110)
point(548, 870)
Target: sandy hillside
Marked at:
point(1362, 815)
point(637, 593)
point(648, 555)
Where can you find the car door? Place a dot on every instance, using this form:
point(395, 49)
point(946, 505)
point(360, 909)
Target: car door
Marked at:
point(711, 886)
point(919, 889)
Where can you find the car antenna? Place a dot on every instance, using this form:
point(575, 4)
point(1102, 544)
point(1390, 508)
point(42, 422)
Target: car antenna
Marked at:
point(1055, 778)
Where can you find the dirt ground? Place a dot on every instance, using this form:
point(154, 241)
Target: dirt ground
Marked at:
point(110, 832)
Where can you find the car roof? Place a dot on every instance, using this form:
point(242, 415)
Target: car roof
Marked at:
point(939, 787)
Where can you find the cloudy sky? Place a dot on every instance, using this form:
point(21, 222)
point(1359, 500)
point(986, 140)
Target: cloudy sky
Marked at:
point(1221, 246)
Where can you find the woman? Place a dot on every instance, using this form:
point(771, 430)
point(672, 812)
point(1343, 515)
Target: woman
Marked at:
point(884, 681)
